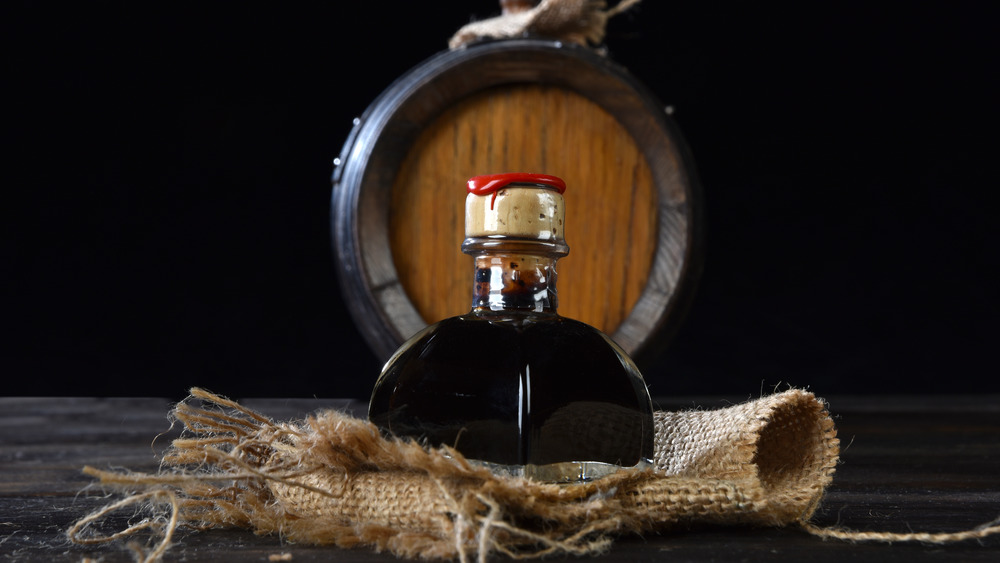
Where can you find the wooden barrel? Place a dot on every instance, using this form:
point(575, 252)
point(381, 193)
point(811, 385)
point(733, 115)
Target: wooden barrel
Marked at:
point(516, 105)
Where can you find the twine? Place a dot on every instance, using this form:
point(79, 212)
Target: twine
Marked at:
point(335, 480)
point(574, 21)
point(977, 533)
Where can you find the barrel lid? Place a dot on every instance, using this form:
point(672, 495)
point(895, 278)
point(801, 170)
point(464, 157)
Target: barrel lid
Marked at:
point(635, 204)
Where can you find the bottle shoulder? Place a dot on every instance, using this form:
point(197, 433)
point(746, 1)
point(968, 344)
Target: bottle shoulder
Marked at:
point(519, 320)
point(518, 338)
point(523, 327)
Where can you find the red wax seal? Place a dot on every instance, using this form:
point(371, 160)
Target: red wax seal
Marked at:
point(489, 184)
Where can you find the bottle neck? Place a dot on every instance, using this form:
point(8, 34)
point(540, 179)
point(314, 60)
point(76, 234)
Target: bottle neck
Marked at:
point(514, 277)
point(514, 282)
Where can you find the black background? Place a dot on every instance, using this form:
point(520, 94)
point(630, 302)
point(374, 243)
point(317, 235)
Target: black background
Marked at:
point(166, 192)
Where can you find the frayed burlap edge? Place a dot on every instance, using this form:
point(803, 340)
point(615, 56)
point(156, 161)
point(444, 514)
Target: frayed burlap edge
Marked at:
point(574, 21)
point(333, 479)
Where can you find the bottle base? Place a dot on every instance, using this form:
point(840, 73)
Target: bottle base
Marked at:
point(566, 472)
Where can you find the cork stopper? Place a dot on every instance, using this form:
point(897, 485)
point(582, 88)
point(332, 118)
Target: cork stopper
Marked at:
point(520, 205)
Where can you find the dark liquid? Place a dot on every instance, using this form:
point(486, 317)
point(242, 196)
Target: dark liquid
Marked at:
point(516, 390)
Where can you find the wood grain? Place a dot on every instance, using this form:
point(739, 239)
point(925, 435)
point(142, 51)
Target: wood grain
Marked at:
point(611, 200)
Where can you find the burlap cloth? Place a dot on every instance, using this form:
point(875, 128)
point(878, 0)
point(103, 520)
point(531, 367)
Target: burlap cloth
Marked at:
point(333, 479)
point(575, 21)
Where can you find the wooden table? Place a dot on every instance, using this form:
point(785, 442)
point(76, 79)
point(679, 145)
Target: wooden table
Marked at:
point(917, 463)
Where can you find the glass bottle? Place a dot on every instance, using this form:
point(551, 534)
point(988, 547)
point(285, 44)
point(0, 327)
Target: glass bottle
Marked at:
point(512, 384)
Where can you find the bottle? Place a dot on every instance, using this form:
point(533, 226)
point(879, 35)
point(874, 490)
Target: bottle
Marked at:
point(513, 385)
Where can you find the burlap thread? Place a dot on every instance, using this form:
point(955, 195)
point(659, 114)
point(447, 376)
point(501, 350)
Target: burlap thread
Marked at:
point(333, 479)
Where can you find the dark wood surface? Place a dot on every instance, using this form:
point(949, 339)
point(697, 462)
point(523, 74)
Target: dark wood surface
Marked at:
point(918, 463)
